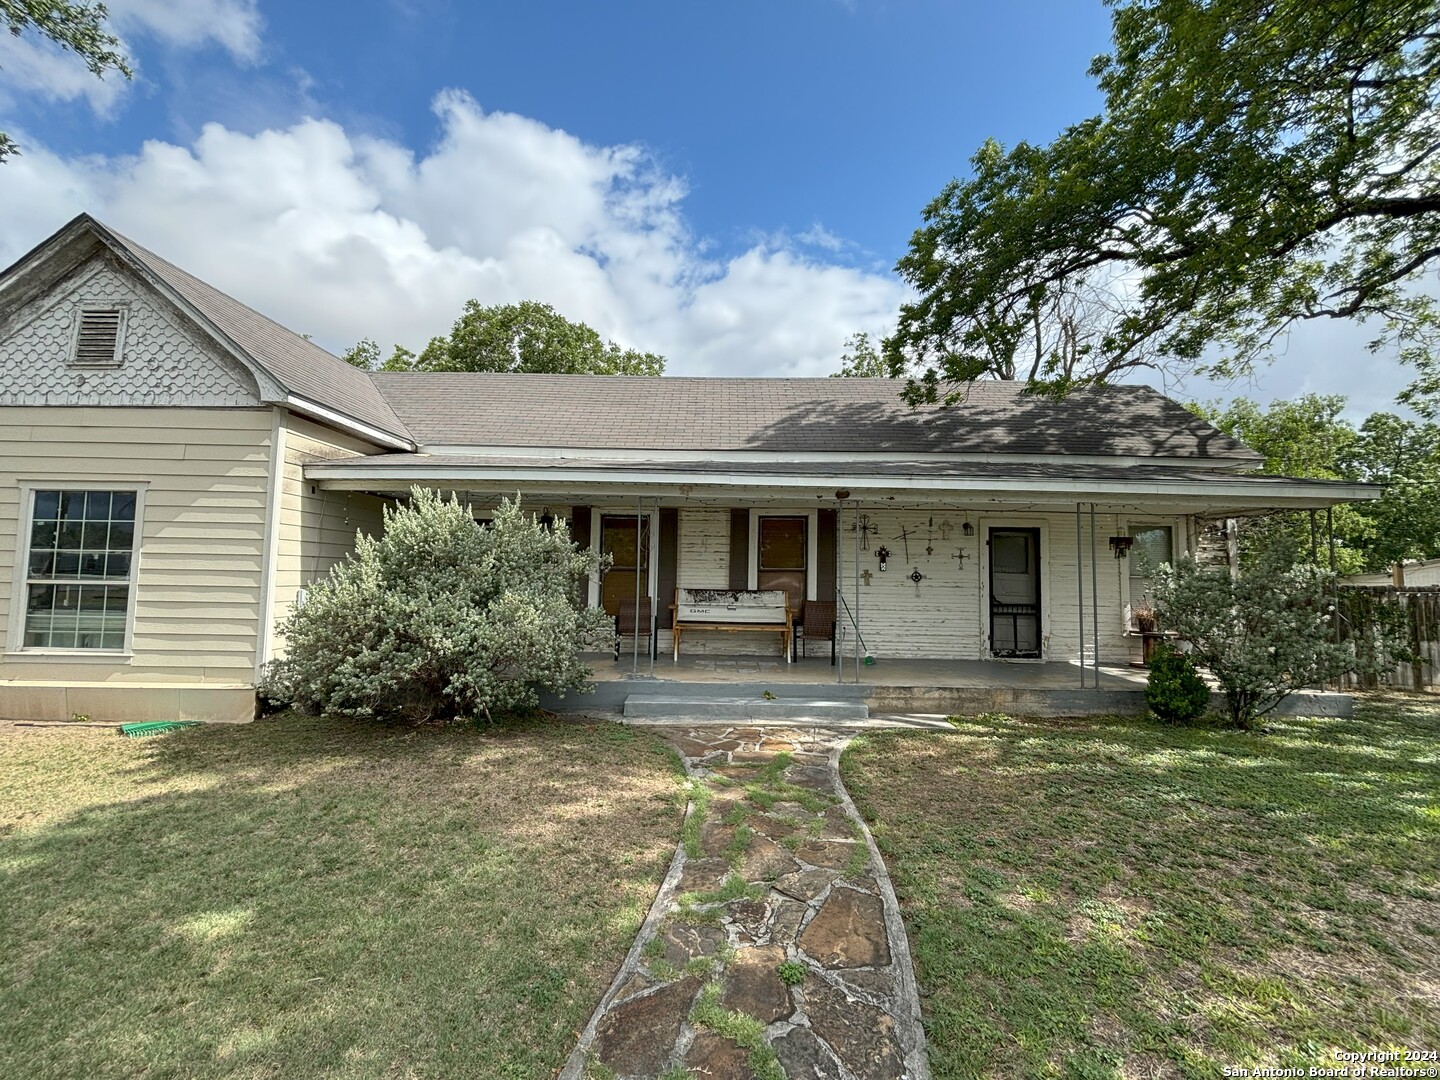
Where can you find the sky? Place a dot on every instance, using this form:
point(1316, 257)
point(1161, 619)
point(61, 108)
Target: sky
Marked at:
point(727, 185)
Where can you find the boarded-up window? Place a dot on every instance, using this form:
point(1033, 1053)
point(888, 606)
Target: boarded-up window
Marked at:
point(97, 340)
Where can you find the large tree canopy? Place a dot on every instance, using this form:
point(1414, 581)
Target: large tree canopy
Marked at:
point(1309, 437)
point(76, 27)
point(1258, 162)
point(533, 338)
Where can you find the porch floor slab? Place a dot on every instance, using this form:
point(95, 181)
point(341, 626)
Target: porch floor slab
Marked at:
point(813, 671)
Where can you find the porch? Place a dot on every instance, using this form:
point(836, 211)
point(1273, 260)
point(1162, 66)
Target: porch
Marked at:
point(735, 687)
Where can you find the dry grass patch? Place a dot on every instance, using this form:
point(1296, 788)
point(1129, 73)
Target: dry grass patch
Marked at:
point(1110, 898)
point(319, 897)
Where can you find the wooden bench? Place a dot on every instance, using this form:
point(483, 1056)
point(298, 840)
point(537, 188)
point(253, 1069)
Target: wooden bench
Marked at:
point(735, 610)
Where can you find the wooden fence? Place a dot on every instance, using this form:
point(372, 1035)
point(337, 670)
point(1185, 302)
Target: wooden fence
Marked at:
point(1417, 609)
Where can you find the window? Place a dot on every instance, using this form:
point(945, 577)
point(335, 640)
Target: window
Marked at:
point(80, 562)
point(781, 565)
point(98, 338)
point(1156, 543)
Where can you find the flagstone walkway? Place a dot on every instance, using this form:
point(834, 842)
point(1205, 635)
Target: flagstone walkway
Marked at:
point(775, 946)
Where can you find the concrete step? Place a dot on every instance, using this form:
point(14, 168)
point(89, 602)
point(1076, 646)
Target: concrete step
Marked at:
point(714, 707)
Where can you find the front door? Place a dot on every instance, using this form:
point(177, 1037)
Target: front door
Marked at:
point(627, 540)
point(781, 565)
point(1015, 593)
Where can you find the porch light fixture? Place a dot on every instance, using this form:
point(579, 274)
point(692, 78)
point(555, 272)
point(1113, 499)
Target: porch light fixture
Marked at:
point(547, 520)
point(1121, 545)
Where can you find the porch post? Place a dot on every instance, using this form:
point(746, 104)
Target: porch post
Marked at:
point(1080, 585)
point(839, 592)
point(1314, 554)
point(855, 615)
point(1094, 599)
point(635, 622)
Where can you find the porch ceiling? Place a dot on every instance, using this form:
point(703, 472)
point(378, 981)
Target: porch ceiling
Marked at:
point(957, 484)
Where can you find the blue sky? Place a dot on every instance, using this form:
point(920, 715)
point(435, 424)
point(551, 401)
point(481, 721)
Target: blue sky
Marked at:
point(727, 184)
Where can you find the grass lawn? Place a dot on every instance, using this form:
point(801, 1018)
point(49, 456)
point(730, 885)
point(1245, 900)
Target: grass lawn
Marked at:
point(305, 897)
point(1100, 898)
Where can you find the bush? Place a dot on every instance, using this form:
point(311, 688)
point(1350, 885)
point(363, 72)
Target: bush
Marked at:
point(1175, 692)
point(440, 618)
point(1263, 633)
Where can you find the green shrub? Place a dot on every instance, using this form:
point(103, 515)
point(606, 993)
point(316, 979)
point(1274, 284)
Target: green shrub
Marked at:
point(1175, 692)
point(440, 618)
point(1265, 632)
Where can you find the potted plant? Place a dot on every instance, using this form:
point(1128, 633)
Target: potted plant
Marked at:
point(1147, 625)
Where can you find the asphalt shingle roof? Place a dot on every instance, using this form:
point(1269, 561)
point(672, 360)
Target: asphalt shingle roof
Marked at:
point(613, 412)
point(300, 365)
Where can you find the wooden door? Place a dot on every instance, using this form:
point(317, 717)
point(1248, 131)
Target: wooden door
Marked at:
point(627, 540)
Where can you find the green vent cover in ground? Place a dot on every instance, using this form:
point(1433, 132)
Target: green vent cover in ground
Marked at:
point(155, 727)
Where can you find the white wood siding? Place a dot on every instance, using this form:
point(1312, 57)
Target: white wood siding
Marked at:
point(197, 587)
point(317, 527)
point(704, 550)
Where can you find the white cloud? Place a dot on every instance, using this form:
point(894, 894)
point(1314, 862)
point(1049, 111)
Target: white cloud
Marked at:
point(37, 66)
point(234, 25)
point(344, 236)
point(33, 64)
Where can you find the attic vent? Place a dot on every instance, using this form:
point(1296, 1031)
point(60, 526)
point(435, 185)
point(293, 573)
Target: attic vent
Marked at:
point(97, 343)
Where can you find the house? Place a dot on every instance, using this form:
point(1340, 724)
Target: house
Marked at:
point(1417, 572)
point(177, 468)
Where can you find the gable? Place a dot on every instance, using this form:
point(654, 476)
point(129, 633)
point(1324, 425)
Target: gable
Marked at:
point(163, 358)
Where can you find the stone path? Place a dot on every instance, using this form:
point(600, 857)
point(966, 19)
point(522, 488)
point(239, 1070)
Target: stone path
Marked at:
point(775, 946)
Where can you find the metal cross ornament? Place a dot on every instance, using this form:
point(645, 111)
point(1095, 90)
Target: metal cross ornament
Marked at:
point(866, 531)
point(904, 537)
point(917, 577)
point(962, 555)
point(883, 554)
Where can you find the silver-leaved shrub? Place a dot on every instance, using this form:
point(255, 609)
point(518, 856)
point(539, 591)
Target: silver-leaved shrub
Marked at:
point(441, 618)
point(1265, 632)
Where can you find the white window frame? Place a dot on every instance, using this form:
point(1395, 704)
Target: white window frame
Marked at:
point(1179, 545)
point(15, 647)
point(812, 546)
point(652, 576)
point(117, 358)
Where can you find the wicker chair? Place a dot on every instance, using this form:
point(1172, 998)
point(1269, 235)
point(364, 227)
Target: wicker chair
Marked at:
point(817, 621)
point(628, 625)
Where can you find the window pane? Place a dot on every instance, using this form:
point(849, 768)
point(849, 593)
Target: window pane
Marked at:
point(1011, 554)
point(79, 536)
point(782, 543)
point(1155, 543)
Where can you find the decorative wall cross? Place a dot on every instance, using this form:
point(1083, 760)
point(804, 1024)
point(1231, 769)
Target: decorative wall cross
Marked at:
point(866, 575)
point(866, 531)
point(962, 555)
point(904, 537)
point(916, 577)
point(945, 530)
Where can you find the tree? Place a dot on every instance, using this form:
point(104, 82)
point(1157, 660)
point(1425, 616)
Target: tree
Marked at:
point(364, 354)
point(528, 337)
point(1309, 438)
point(75, 27)
point(441, 618)
point(862, 360)
point(1404, 456)
point(1258, 162)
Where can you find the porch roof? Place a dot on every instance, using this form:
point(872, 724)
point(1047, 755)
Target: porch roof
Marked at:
point(770, 478)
